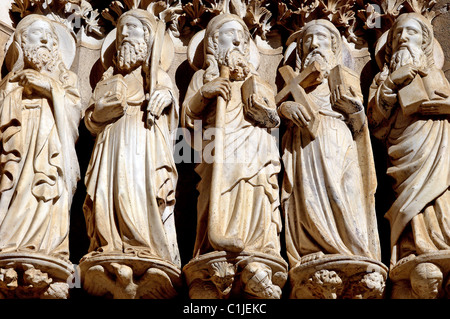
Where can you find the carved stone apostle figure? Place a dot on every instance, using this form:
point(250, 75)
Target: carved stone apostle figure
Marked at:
point(40, 111)
point(329, 181)
point(131, 178)
point(237, 248)
point(409, 110)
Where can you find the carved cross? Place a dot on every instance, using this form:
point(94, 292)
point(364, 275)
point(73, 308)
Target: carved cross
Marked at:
point(295, 87)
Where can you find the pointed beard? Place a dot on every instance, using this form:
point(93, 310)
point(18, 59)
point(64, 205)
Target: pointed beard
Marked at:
point(408, 55)
point(131, 54)
point(41, 58)
point(326, 60)
point(238, 64)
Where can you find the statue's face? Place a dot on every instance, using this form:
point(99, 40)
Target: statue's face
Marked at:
point(407, 33)
point(317, 45)
point(39, 34)
point(40, 47)
point(407, 45)
point(427, 288)
point(317, 37)
point(231, 36)
point(232, 49)
point(132, 50)
point(130, 29)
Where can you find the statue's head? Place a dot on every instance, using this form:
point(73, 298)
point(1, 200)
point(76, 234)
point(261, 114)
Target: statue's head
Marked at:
point(426, 280)
point(410, 41)
point(135, 33)
point(227, 42)
point(320, 41)
point(36, 38)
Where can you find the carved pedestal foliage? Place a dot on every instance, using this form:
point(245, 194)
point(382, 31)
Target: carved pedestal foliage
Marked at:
point(338, 277)
point(34, 276)
point(222, 275)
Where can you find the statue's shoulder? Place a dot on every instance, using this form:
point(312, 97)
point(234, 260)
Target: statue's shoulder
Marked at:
point(197, 78)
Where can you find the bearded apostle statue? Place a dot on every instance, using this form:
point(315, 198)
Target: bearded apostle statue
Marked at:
point(329, 181)
point(237, 247)
point(40, 111)
point(409, 111)
point(131, 177)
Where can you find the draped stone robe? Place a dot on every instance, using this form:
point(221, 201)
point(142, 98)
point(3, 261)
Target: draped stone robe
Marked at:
point(249, 201)
point(419, 163)
point(38, 166)
point(329, 185)
point(131, 179)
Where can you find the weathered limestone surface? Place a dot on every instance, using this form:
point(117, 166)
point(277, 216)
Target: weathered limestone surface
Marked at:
point(40, 115)
point(328, 190)
point(409, 106)
point(213, 272)
point(131, 178)
point(238, 207)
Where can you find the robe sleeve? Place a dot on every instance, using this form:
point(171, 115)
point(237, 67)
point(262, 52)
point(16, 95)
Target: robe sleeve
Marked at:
point(382, 100)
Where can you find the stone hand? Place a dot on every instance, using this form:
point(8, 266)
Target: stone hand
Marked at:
point(346, 102)
point(295, 112)
point(159, 100)
point(404, 75)
point(217, 87)
point(31, 80)
point(438, 106)
point(108, 107)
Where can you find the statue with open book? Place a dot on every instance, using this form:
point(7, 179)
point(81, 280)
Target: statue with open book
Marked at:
point(409, 107)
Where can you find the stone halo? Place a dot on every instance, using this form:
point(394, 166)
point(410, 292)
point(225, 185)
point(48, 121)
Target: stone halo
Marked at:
point(196, 55)
point(108, 49)
point(438, 53)
point(67, 46)
point(291, 49)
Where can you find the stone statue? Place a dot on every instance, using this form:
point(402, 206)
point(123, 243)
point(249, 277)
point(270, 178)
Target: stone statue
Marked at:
point(237, 248)
point(329, 181)
point(131, 178)
point(409, 111)
point(40, 111)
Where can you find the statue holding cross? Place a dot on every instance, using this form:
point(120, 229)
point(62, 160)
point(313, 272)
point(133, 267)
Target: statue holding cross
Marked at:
point(329, 180)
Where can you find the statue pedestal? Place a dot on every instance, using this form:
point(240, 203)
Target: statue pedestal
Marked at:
point(338, 277)
point(421, 277)
point(26, 275)
point(127, 276)
point(221, 275)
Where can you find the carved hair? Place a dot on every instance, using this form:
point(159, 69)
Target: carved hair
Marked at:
point(336, 43)
point(427, 34)
point(21, 38)
point(211, 45)
point(149, 26)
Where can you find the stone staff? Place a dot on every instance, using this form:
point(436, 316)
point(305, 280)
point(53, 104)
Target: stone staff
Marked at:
point(217, 240)
point(154, 65)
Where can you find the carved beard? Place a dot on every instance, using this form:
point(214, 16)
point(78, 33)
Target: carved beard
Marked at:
point(327, 60)
point(408, 55)
point(237, 62)
point(40, 57)
point(131, 53)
